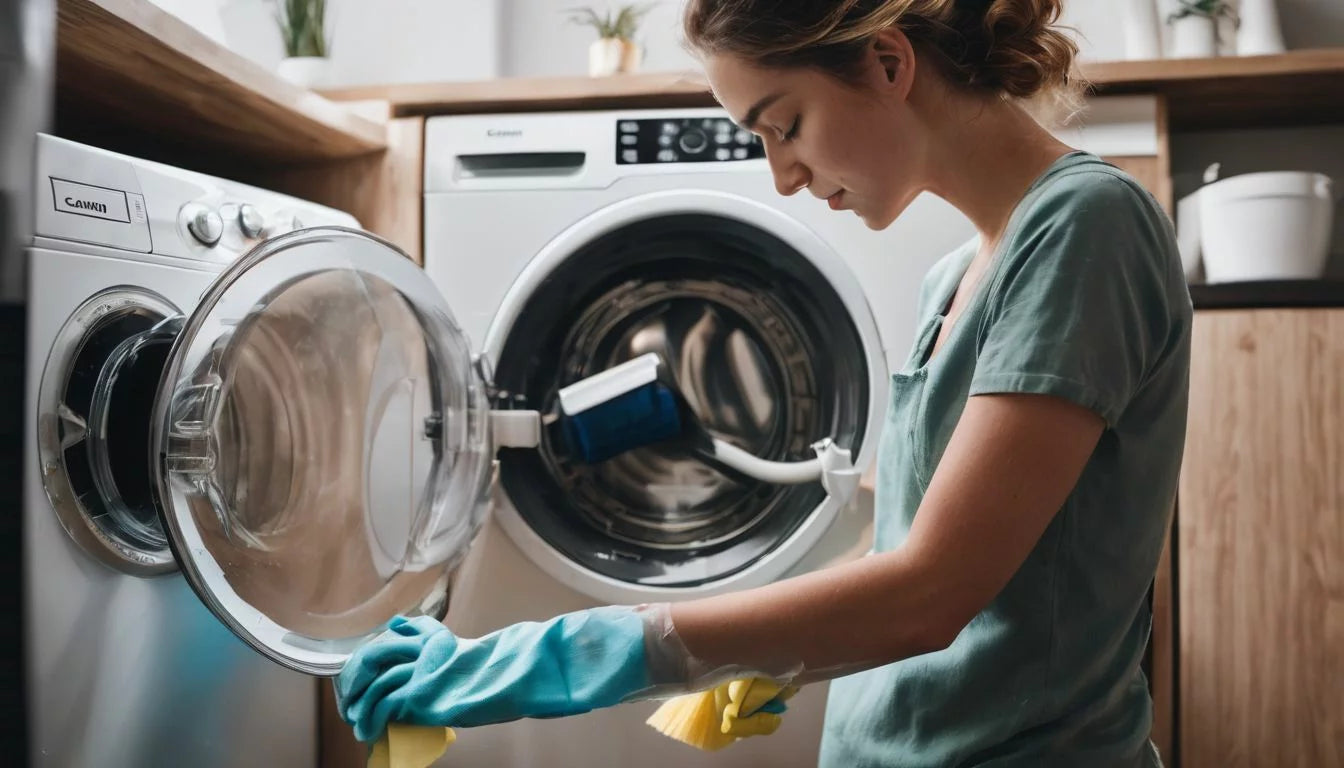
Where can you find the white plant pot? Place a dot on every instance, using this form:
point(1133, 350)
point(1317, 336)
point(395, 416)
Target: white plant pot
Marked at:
point(1259, 33)
point(1266, 226)
point(1143, 38)
point(306, 71)
point(1194, 37)
point(612, 55)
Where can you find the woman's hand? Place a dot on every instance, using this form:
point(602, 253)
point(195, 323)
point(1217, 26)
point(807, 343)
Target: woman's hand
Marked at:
point(421, 673)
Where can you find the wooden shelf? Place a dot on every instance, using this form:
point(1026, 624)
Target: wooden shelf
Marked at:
point(539, 94)
point(128, 65)
point(1268, 293)
point(1294, 88)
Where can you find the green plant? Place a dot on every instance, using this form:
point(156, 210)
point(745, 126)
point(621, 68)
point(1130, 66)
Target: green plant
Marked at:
point(623, 24)
point(303, 26)
point(1211, 9)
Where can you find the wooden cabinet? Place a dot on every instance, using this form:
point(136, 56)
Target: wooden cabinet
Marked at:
point(1260, 554)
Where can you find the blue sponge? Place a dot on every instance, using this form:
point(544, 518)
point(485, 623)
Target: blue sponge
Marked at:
point(647, 414)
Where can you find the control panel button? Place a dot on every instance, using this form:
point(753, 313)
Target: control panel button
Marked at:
point(250, 220)
point(694, 141)
point(203, 223)
point(691, 139)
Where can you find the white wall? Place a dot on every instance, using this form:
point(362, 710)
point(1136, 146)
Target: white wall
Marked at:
point(380, 41)
point(371, 42)
point(536, 40)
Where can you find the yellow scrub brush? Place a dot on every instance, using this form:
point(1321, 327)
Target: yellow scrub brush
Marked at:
point(713, 719)
point(410, 746)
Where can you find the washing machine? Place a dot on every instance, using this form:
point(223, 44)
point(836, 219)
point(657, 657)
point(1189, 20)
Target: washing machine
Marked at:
point(571, 242)
point(252, 434)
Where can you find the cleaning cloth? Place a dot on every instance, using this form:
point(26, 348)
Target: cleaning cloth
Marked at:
point(410, 746)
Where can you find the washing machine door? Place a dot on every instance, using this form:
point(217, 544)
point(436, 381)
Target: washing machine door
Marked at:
point(321, 444)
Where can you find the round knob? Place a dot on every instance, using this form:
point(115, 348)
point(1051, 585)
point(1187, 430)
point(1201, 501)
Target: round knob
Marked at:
point(204, 224)
point(250, 220)
point(694, 140)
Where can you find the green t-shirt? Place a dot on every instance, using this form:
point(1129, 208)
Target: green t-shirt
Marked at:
point(1084, 300)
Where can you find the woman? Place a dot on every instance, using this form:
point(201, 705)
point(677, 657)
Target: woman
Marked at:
point(1029, 464)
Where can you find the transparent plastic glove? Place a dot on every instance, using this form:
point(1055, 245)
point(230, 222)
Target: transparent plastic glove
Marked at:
point(419, 672)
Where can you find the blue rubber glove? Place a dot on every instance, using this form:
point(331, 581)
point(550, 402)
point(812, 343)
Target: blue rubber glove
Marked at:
point(419, 672)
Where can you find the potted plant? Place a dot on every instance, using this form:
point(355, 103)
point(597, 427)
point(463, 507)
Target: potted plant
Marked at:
point(1194, 26)
point(304, 31)
point(615, 50)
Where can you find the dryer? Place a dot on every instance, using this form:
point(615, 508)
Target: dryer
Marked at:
point(569, 242)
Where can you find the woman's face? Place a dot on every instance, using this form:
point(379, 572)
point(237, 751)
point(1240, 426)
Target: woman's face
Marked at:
point(856, 148)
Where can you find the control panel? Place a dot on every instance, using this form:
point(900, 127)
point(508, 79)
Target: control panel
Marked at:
point(93, 196)
point(684, 140)
point(241, 223)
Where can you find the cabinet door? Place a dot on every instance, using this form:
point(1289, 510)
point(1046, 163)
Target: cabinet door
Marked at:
point(1261, 542)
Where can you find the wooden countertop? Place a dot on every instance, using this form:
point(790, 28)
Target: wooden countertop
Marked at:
point(537, 94)
point(1304, 86)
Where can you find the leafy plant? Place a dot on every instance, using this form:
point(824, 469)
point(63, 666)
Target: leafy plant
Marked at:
point(303, 26)
point(1211, 9)
point(623, 24)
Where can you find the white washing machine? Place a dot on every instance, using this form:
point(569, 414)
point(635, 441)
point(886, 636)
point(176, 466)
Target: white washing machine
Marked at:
point(251, 435)
point(570, 242)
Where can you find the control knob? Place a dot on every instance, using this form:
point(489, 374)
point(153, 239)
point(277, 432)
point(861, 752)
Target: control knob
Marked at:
point(250, 220)
point(204, 224)
point(693, 141)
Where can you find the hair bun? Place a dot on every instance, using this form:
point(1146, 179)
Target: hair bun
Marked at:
point(1020, 50)
point(1008, 47)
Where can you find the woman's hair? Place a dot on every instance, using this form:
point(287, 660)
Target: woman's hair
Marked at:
point(1011, 48)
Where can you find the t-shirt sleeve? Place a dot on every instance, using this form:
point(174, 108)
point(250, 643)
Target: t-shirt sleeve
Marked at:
point(1080, 305)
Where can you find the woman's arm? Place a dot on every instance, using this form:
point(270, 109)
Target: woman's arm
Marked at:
point(1009, 466)
point(1011, 462)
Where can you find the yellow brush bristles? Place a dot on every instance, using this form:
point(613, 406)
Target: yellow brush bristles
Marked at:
point(711, 720)
point(693, 719)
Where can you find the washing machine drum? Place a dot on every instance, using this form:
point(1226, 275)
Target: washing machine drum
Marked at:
point(766, 353)
point(310, 445)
